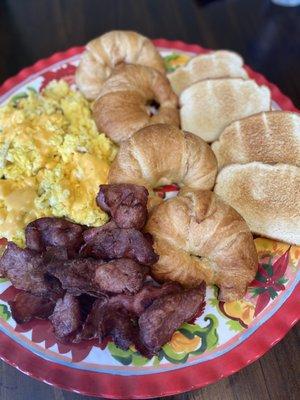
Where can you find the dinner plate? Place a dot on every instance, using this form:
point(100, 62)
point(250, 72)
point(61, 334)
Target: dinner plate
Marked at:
point(225, 337)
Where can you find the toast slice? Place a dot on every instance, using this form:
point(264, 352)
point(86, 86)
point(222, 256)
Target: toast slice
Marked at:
point(217, 64)
point(271, 137)
point(267, 197)
point(208, 106)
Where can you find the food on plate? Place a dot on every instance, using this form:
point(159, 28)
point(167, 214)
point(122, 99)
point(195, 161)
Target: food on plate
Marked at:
point(216, 64)
point(270, 137)
point(199, 237)
point(111, 242)
point(138, 303)
point(106, 320)
point(267, 196)
point(66, 318)
point(104, 294)
point(106, 52)
point(97, 277)
point(174, 309)
point(125, 203)
point(45, 233)
point(208, 106)
point(25, 306)
point(26, 270)
point(132, 98)
point(148, 331)
point(52, 160)
point(163, 154)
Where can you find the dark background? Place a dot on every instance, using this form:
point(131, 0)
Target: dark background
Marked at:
point(266, 35)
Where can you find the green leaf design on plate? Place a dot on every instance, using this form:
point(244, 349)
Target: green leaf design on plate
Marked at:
point(234, 326)
point(257, 291)
point(213, 302)
point(208, 339)
point(260, 278)
point(208, 334)
point(172, 356)
point(126, 357)
point(272, 293)
point(196, 339)
point(32, 89)
point(167, 61)
point(138, 360)
point(3, 280)
point(282, 280)
point(268, 267)
point(4, 312)
point(16, 98)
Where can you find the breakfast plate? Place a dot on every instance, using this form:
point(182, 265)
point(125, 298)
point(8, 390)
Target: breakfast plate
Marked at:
point(225, 336)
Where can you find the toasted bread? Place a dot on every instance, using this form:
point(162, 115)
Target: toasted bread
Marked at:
point(208, 106)
point(271, 137)
point(217, 64)
point(267, 196)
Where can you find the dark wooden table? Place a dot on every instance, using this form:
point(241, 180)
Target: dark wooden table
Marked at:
point(267, 36)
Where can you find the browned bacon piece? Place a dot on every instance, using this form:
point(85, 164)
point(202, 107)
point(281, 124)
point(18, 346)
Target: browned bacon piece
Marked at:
point(138, 303)
point(166, 314)
point(107, 320)
point(94, 277)
point(126, 203)
point(121, 276)
point(110, 242)
point(27, 306)
point(66, 318)
point(26, 270)
point(90, 326)
point(76, 276)
point(54, 232)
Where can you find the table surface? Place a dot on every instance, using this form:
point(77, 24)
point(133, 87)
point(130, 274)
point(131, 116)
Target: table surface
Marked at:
point(268, 38)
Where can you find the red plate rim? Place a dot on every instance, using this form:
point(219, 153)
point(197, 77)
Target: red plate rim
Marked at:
point(166, 383)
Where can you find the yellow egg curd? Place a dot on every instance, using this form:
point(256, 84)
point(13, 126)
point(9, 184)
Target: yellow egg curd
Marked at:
point(52, 160)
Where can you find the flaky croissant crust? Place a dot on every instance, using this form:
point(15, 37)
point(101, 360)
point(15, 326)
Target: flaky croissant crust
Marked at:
point(162, 154)
point(123, 105)
point(199, 237)
point(104, 53)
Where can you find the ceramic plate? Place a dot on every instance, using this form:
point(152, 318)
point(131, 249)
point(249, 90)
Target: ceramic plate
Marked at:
point(225, 337)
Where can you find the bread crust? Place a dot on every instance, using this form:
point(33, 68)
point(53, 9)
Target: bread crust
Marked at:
point(208, 106)
point(216, 64)
point(270, 137)
point(163, 154)
point(123, 105)
point(104, 53)
point(199, 237)
point(267, 196)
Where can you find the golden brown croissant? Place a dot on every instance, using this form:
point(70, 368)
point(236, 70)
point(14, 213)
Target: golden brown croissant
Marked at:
point(104, 53)
point(163, 154)
point(199, 237)
point(132, 98)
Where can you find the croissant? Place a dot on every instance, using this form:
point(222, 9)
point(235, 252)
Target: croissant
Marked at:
point(132, 98)
point(199, 237)
point(163, 154)
point(107, 51)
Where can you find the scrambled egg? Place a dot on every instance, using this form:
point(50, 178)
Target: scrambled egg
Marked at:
point(52, 160)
